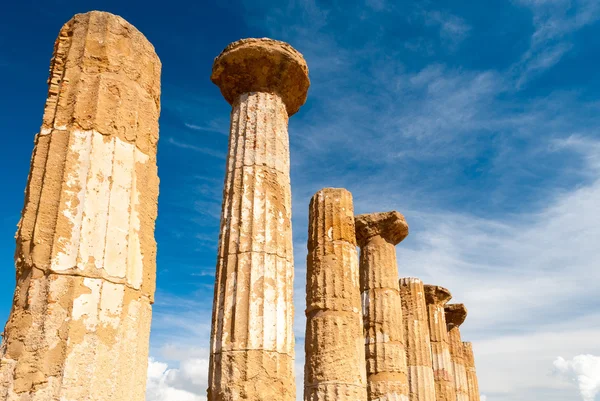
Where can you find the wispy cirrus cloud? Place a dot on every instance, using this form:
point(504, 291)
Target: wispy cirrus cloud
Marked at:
point(555, 22)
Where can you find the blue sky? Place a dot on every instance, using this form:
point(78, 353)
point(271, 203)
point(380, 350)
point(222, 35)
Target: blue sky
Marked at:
point(477, 120)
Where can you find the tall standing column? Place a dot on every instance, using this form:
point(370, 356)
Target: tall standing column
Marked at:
point(455, 316)
point(418, 344)
point(252, 340)
point(335, 352)
point(472, 381)
point(436, 297)
point(377, 235)
point(80, 323)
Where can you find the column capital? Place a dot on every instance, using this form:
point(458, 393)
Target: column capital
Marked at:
point(434, 294)
point(391, 226)
point(455, 314)
point(262, 65)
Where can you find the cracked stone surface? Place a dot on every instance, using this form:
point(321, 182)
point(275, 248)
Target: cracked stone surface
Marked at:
point(334, 369)
point(436, 298)
point(377, 235)
point(252, 339)
point(455, 316)
point(417, 340)
point(86, 255)
point(472, 381)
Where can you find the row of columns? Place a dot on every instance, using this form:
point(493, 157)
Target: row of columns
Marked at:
point(86, 254)
point(412, 343)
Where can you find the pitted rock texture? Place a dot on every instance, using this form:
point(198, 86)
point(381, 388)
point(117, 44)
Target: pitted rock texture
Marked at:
point(86, 255)
point(455, 316)
point(417, 340)
point(436, 297)
point(335, 354)
point(262, 65)
point(377, 235)
point(389, 225)
point(252, 339)
point(472, 381)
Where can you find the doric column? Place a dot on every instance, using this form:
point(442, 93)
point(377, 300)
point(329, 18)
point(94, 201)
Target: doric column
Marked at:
point(334, 342)
point(417, 341)
point(252, 340)
point(85, 260)
point(377, 235)
point(455, 316)
point(472, 381)
point(436, 297)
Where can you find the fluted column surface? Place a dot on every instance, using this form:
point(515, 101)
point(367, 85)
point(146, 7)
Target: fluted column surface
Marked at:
point(436, 297)
point(252, 348)
point(80, 323)
point(334, 343)
point(417, 340)
point(455, 316)
point(377, 234)
point(472, 381)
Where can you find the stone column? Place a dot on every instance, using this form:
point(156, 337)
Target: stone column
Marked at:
point(455, 316)
point(86, 256)
point(417, 341)
point(377, 235)
point(335, 353)
point(252, 339)
point(472, 381)
point(436, 297)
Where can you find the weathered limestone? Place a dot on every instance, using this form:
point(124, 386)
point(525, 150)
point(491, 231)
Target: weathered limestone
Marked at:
point(436, 297)
point(335, 353)
point(455, 316)
point(85, 260)
point(377, 234)
point(252, 340)
point(472, 381)
point(417, 341)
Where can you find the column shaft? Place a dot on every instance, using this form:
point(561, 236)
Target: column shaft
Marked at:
point(458, 364)
point(335, 352)
point(252, 342)
point(472, 381)
point(382, 309)
point(86, 256)
point(440, 347)
point(417, 340)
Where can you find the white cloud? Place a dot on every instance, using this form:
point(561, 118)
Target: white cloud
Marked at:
point(187, 383)
point(585, 371)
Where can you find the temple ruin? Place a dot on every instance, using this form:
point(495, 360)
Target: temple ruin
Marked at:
point(86, 255)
